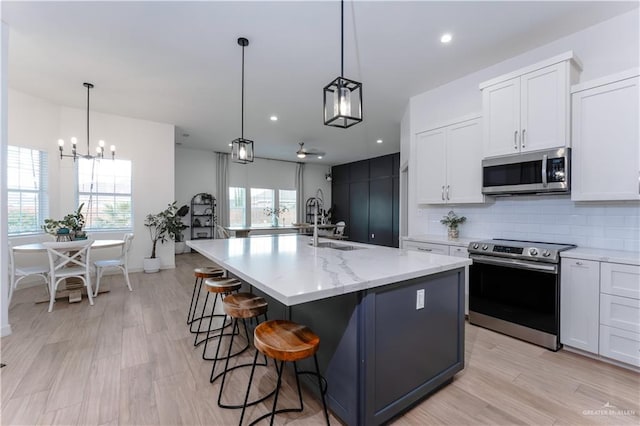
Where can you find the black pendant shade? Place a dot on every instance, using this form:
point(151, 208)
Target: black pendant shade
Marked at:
point(241, 148)
point(342, 98)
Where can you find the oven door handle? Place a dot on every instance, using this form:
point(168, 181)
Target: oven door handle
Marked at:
point(513, 263)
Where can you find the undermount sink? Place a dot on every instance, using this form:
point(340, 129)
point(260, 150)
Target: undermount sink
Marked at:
point(335, 246)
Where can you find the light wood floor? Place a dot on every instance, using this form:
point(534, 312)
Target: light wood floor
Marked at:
point(129, 360)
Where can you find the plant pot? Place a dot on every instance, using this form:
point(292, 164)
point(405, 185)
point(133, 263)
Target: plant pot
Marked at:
point(180, 247)
point(453, 233)
point(151, 265)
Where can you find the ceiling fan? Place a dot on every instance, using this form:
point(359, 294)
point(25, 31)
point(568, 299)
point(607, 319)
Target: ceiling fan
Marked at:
point(303, 152)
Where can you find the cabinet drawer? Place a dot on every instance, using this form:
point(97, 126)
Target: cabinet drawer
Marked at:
point(427, 247)
point(620, 312)
point(458, 251)
point(621, 345)
point(620, 280)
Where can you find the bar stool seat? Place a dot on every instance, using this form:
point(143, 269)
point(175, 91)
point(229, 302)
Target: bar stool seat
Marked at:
point(286, 341)
point(200, 274)
point(244, 305)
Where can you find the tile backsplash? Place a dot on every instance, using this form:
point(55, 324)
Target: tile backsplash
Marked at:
point(547, 218)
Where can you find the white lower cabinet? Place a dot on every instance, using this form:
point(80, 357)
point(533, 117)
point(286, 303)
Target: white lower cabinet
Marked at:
point(447, 250)
point(600, 308)
point(579, 301)
point(621, 345)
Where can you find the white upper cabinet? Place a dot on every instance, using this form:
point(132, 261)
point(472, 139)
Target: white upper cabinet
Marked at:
point(606, 140)
point(448, 164)
point(528, 110)
point(430, 171)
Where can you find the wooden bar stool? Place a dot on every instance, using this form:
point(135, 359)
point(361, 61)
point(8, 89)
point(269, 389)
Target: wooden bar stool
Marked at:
point(219, 287)
point(200, 275)
point(240, 306)
point(286, 341)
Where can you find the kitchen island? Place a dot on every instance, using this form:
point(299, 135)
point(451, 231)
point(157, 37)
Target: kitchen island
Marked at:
point(390, 321)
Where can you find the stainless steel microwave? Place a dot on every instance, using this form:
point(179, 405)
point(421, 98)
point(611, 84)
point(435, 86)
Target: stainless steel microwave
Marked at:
point(533, 172)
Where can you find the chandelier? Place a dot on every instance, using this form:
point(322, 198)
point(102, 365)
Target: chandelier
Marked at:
point(241, 148)
point(342, 98)
point(74, 141)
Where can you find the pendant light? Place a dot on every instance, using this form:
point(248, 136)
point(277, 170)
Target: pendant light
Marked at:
point(342, 97)
point(241, 148)
point(74, 141)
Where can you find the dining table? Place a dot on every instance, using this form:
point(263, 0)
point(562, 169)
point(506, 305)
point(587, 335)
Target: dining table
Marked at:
point(73, 288)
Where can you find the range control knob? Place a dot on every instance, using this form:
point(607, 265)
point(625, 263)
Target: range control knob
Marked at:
point(475, 246)
point(546, 253)
point(484, 247)
point(533, 251)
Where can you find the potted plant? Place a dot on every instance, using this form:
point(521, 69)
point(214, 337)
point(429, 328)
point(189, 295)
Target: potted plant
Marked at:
point(70, 225)
point(175, 226)
point(275, 214)
point(158, 225)
point(452, 221)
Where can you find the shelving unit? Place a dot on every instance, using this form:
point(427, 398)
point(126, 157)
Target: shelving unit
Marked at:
point(203, 209)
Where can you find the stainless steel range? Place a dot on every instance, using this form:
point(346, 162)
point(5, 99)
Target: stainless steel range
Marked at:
point(514, 288)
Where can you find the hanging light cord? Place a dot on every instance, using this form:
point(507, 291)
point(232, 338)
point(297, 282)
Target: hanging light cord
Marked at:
point(88, 89)
point(242, 99)
point(341, 38)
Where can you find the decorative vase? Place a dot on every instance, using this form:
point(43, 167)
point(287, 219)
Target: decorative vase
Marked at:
point(274, 221)
point(452, 233)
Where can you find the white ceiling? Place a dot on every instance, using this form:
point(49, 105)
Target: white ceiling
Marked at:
point(179, 63)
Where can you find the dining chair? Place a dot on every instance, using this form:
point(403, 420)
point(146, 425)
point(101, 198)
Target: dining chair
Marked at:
point(221, 232)
point(121, 263)
point(18, 273)
point(69, 259)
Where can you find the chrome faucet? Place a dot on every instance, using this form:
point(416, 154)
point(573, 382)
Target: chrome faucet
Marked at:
point(319, 203)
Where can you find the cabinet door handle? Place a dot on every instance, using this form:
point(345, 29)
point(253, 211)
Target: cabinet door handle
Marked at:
point(448, 193)
point(442, 193)
point(579, 263)
point(523, 133)
point(424, 249)
point(515, 140)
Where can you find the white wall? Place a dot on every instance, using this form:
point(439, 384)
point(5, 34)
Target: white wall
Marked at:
point(196, 172)
point(5, 327)
point(605, 48)
point(147, 144)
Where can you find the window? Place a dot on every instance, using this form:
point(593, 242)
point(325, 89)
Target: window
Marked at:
point(287, 198)
point(261, 199)
point(104, 186)
point(237, 207)
point(28, 201)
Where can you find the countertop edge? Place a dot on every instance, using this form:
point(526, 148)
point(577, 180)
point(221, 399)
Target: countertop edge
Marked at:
point(603, 255)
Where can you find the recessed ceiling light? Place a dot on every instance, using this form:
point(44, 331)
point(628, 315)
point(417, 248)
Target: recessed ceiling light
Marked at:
point(230, 144)
point(319, 157)
point(273, 118)
point(379, 141)
point(446, 38)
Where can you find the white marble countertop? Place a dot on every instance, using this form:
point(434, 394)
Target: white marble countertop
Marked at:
point(603, 255)
point(287, 268)
point(441, 239)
